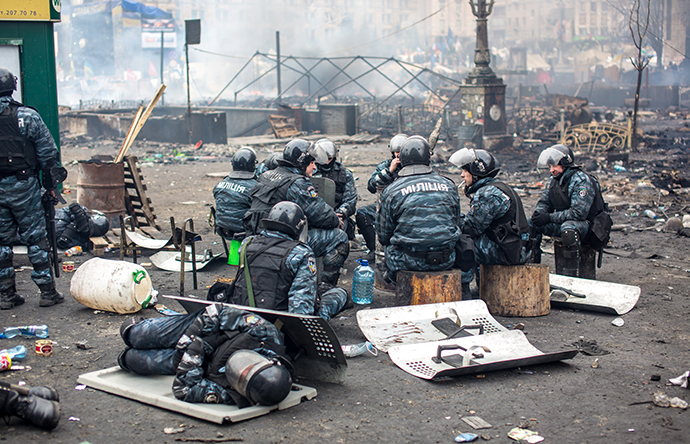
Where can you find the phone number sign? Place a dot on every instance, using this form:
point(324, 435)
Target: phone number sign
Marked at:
point(30, 10)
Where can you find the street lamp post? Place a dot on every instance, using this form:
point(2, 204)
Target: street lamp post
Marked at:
point(482, 56)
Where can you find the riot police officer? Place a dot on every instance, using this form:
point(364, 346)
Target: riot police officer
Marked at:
point(75, 224)
point(496, 220)
point(26, 148)
point(290, 182)
point(345, 190)
point(201, 350)
point(419, 214)
point(232, 194)
point(386, 172)
point(569, 204)
point(282, 269)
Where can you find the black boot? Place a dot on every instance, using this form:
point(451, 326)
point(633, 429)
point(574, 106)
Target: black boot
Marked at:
point(45, 392)
point(49, 296)
point(8, 294)
point(40, 412)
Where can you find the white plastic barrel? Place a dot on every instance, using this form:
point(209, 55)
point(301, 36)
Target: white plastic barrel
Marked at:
point(117, 286)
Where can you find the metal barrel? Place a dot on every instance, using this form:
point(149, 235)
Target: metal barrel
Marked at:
point(101, 186)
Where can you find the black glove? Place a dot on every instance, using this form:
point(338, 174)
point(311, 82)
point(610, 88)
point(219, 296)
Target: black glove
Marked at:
point(541, 219)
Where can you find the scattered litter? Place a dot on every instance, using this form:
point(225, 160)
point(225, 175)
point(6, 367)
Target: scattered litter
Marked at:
point(189, 202)
point(519, 434)
point(662, 400)
point(466, 437)
point(655, 378)
point(681, 380)
point(74, 418)
point(162, 309)
point(590, 347)
point(618, 322)
point(174, 430)
point(476, 422)
point(83, 345)
point(350, 351)
point(595, 364)
point(518, 326)
point(80, 387)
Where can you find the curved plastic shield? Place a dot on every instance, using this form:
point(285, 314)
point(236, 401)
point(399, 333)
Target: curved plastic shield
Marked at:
point(463, 157)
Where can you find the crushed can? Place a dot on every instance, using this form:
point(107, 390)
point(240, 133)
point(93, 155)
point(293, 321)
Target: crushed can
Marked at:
point(68, 266)
point(44, 347)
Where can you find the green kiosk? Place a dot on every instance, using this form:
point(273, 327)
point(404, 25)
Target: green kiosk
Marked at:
point(27, 49)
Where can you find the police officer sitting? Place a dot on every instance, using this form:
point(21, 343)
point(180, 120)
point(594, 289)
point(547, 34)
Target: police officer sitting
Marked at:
point(282, 269)
point(386, 172)
point(496, 221)
point(418, 219)
point(232, 194)
point(345, 190)
point(290, 182)
point(220, 355)
point(569, 205)
point(26, 148)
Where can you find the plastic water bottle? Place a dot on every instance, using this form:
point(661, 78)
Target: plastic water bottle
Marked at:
point(650, 214)
point(350, 351)
point(38, 331)
point(9, 355)
point(74, 251)
point(363, 283)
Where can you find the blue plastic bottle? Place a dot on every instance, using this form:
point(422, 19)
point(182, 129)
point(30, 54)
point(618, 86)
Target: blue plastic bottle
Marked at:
point(17, 352)
point(363, 283)
point(38, 331)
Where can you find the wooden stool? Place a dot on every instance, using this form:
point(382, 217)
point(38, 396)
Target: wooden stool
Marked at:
point(515, 290)
point(428, 287)
point(588, 260)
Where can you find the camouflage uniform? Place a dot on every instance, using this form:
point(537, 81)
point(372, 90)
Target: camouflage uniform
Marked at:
point(418, 215)
point(324, 236)
point(21, 212)
point(300, 265)
point(345, 195)
point(580, 191)
point(233, 199)
point(163, 346)
point(366, 215)
point(488, 204)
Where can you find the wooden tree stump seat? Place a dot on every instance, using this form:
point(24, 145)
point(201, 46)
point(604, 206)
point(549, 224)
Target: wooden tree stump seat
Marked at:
point(516, 290)
point(428, 287)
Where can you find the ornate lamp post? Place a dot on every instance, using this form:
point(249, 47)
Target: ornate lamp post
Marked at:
point(483, 93)
point(482, 56)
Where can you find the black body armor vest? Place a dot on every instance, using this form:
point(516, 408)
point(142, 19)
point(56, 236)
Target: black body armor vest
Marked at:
point(17, 153)
point(270, 189)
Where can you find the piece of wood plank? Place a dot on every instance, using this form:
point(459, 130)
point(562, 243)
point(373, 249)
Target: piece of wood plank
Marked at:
point(130, 131)
point(515, 290)
point(140, 123)
point(428, 287)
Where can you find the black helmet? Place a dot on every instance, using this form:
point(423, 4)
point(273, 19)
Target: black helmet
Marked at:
point(286, 217)
point(244, 160)
point(101, 224)
point(396, 142)
point(271, 161)
point(415, 151)
point(8, 82)
point(480, 163)
point(556, 155)
point(300, 153)
point(261, 380)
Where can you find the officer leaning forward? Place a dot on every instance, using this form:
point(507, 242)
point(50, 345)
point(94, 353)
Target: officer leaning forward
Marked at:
point(569, 205)
point(281, 269)
point(386, 172)
point(345, 190)
point(418, 218)
point(233, 194)
point(290, 182)
point(496, 221)
point(26, 147)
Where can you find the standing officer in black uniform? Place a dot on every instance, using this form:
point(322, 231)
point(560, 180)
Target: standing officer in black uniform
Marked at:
point(26, 148)
point(290, 182)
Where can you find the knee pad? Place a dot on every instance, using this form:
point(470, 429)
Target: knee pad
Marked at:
point(571, 243)
point(43, 244)
point(67, 235)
